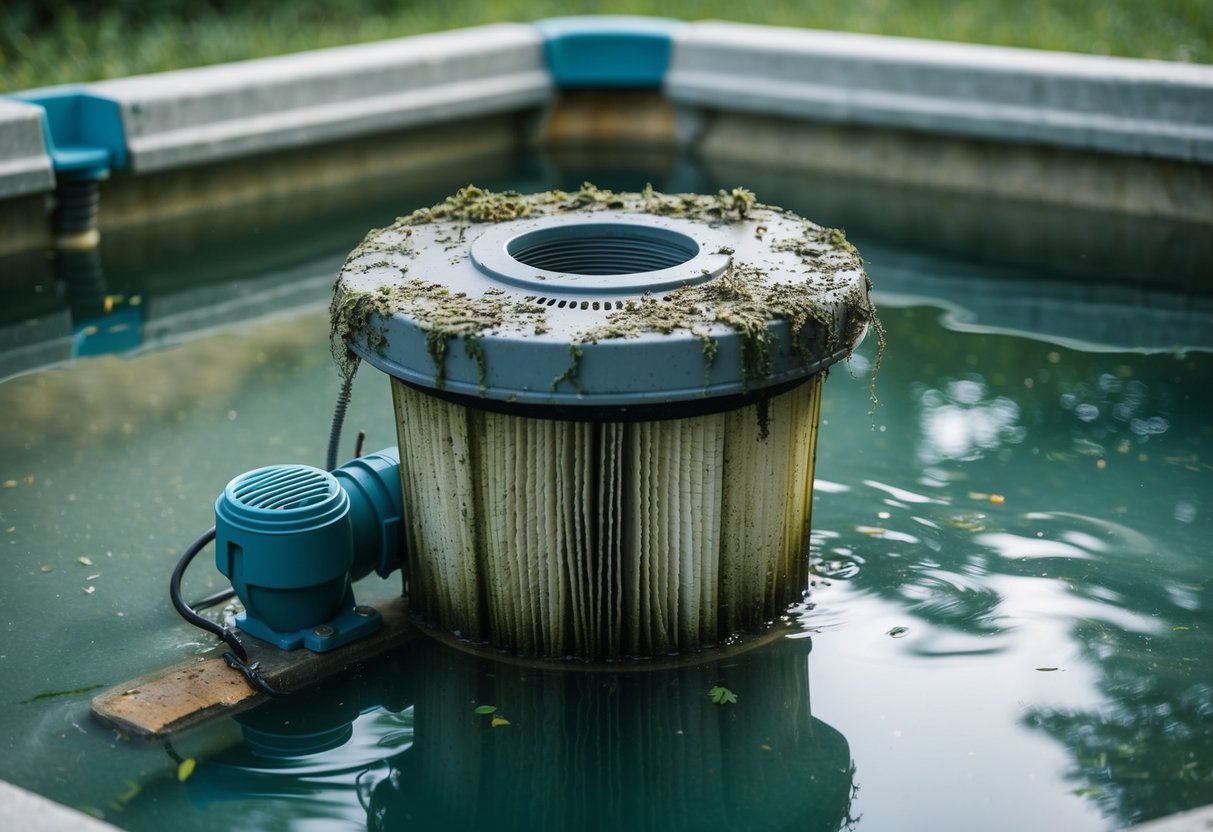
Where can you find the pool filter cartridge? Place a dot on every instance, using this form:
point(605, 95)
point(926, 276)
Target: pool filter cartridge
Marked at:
point(607, 409)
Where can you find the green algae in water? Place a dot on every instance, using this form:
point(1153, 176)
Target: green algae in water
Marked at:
point(59, 694)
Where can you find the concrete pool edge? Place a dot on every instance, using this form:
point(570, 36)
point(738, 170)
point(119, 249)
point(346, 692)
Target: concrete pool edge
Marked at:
point(723, 80)
point(22, 809)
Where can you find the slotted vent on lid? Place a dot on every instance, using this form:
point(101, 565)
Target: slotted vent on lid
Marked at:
point(284, 487)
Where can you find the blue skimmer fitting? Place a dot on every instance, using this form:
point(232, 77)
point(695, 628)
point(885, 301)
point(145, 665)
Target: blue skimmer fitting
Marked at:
point(292, 539)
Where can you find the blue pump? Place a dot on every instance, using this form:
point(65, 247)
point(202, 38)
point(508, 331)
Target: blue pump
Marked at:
point(292, 539)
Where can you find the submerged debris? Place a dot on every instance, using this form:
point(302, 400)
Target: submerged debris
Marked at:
point(56, 694)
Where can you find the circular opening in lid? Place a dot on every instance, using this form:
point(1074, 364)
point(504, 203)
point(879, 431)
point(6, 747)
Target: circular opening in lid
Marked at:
point(603, 249)
point(630, 254)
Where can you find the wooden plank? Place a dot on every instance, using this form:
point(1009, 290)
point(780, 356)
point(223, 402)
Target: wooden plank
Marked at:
point(165, 702)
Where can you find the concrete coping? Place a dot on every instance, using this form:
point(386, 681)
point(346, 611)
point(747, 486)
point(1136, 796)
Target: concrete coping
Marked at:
point(25, 165)
point(1116, 105)
point(21, 809)
point(196, 116)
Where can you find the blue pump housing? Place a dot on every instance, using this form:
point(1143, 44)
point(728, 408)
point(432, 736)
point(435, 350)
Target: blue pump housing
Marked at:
point(293, 538)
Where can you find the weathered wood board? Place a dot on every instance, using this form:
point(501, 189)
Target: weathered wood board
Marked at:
point(159, 704)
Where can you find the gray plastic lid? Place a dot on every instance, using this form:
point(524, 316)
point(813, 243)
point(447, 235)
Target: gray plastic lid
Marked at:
point(608, 301)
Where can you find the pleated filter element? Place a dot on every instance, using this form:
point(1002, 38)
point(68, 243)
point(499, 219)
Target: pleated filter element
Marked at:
point(606, 539)
point(607, 409)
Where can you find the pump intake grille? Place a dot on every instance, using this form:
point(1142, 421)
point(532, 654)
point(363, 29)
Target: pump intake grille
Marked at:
point(282, 488)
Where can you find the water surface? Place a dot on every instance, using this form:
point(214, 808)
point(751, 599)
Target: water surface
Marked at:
point(1009, 625)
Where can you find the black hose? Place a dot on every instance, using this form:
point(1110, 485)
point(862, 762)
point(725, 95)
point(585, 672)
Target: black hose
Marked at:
point(174, 593)
point(213, 600)
point(237, 657)
point(343, 402)
point(252, 673)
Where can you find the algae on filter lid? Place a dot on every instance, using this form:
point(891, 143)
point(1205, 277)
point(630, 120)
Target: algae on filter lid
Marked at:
point(787, 270)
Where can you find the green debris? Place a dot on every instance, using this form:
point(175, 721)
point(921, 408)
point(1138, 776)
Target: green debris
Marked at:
point(120, 801)
point(485, 710)
point(473, 204)
point(57, 694)
point(570, 373)
point(739, 200)
point(744, 299)
point(722, 696)
point(185, 768)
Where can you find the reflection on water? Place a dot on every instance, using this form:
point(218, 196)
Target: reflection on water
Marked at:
point(1145, 751)
point(1063, 497)
point(962, 421)
point(440, 739)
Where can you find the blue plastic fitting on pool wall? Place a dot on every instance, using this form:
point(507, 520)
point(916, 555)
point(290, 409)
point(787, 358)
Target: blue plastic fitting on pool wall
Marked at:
point(608, 51)
point(293, 538)
point(83, 131)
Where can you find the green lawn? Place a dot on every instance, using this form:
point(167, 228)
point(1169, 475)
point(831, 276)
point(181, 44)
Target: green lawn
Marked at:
point(46, 42)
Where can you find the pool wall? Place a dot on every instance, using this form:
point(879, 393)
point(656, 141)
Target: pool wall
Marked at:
point(1129, 136)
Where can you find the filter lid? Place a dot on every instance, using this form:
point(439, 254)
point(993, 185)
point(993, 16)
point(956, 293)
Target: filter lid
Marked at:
point(602, 303)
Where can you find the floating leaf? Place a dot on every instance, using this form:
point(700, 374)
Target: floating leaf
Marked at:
point(969, 522)
point(898, 632)
point(1089, 791)
point(1046, 669)
point(83, 561)
point(484, 710)
point(722, 696)
point(498, 721)
point(185, 769)
point(132, 791)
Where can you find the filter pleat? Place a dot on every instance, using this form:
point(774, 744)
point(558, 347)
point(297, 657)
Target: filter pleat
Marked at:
point(634, 542)
point(690, 519)
point(732, 519)
point(613, 581)
point(713, 521)
point(659, 551)
point(671, 527)
point(532, 519)
point(520, 601)
point(494, 491)
point(583, 521)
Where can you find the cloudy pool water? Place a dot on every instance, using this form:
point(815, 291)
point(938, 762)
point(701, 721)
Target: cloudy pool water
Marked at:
point(1008, 628)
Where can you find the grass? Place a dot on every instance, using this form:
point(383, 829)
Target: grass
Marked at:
point(52, 43)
